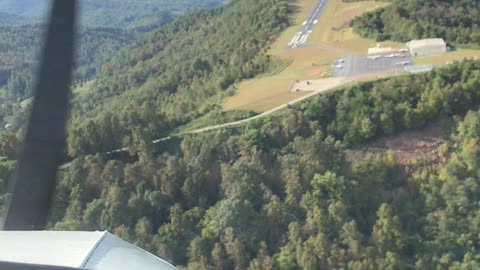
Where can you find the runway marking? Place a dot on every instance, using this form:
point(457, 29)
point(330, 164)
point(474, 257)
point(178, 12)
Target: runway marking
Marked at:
point(307, 26)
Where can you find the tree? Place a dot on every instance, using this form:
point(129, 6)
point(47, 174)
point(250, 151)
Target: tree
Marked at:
point(387, 235)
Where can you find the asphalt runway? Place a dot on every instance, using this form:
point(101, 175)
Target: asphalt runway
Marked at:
point(301, 37)
point(389, 62)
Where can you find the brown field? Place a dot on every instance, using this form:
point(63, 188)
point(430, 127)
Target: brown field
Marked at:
point(405, 146)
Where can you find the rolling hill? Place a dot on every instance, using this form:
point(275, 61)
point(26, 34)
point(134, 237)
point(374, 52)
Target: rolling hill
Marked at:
point(109, 13)
point(19, 48)
point(176, 74)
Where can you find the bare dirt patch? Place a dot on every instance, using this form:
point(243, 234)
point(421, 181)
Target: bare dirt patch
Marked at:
point(317, 85)
point(406, 146)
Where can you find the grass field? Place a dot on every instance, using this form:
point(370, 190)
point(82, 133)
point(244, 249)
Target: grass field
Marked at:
point(457, 55)
point(263, 93)
point(334, 26)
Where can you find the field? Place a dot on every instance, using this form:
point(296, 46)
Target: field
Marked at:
point(263, 93)
point(457, 55)
point(334, 26)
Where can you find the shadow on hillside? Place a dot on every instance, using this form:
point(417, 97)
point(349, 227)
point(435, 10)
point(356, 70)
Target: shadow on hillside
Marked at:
point(293, 7)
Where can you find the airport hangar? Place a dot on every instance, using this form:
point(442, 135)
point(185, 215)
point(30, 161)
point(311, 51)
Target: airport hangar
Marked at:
point(427, 47)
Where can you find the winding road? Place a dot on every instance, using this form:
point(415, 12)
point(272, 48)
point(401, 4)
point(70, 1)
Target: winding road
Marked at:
point(321, 90)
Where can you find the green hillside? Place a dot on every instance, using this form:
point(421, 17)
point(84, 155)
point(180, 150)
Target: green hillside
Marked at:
point(109, 13)
point(20, 45)
point(19, 54)
point(455, 21)
point(175, 74)
point(281, 193)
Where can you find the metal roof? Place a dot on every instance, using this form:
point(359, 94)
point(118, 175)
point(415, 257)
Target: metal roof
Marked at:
point(426, 42)
point(86, 250)
point(419, 68)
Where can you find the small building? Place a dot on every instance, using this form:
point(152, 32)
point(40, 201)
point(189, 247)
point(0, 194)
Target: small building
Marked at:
point(427, 46)
point(379, 49)
point(84, 250)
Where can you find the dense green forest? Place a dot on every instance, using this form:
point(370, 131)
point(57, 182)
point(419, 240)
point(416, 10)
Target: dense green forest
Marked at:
point(281, 193)
point(107, 27)
point(175, 74)
point(455, 21)
point(129, 14)
point(19, 50)
point(19, 54)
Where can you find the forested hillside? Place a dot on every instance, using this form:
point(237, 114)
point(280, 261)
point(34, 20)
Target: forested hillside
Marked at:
point(20, 42)
point(19, 52)
point(455, 21)
point(110, 13)
point(130, 13)
point(19, 55)
point(175, 74)
point(281, 194)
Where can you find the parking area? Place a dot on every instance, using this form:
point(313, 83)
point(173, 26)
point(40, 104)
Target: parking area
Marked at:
point(388, 62)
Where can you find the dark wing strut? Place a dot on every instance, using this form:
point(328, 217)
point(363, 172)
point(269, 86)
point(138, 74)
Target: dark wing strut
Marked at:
point(32, 185)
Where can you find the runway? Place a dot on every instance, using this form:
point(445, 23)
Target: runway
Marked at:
point(302, 35)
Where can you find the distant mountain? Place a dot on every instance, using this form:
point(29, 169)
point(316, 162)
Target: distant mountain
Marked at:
point(19, 46)
point(109, 13)
point(11, 19)
point(25, 8)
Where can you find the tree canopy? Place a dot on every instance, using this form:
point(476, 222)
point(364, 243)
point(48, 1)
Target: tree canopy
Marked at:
point(283, 194)
point(403, 20)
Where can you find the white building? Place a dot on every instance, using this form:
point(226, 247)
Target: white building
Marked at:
point(379, 49)
point(84, 250)
point(427, 46)
point(419, 68)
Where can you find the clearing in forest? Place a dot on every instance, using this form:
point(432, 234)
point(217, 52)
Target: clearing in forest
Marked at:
point(332, 38)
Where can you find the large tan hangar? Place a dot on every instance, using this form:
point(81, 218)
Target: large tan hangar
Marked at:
point(427, 46)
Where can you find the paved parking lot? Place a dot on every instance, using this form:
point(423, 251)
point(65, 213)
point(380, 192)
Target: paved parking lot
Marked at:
point(390, 62)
